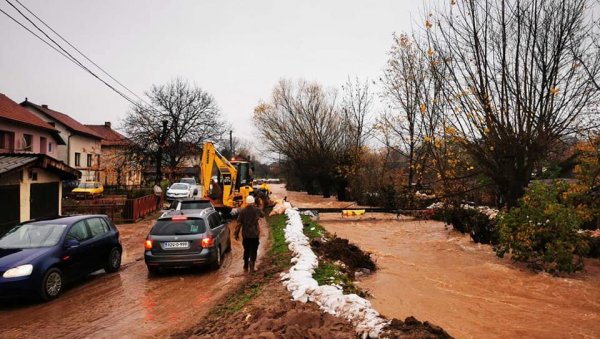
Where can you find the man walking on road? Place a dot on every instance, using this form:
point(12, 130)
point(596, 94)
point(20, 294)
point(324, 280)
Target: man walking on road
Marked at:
point(248, 223)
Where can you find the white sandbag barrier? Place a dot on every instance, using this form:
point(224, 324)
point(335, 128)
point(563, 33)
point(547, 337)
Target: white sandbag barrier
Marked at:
point(331, 299)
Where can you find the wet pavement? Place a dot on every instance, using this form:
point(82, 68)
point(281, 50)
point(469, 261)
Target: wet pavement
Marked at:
point(439, 275)
point(128, 303)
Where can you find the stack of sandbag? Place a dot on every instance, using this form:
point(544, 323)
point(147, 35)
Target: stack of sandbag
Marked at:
point(331, 299)
point(280, 207)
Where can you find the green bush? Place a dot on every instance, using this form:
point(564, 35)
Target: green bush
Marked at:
point(543, 230)
point(479, 226)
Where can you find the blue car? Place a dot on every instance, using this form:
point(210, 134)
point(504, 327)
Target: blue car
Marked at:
point(37, 258)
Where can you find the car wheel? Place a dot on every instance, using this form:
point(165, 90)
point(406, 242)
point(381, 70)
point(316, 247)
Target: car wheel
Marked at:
point(114, 261)
point(52, 284)
point(153, 270)
point(217, 263)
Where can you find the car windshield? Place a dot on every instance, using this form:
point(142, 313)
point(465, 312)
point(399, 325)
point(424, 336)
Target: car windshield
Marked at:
point(33, 236)
point(86, 185)
point(178, 227)
point(195, 205)
point(179, 186)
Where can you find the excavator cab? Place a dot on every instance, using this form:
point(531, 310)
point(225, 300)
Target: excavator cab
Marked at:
point(234, 179)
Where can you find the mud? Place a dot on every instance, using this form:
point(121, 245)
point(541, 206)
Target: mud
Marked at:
point(128, 303)
point(430, 272)
point(412, 328)
point(341, 249)
point(271, 314)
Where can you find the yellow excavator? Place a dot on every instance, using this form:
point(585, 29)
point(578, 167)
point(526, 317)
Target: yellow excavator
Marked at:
point(232, 183)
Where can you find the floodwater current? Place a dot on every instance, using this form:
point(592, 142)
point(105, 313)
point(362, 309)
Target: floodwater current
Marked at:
point(433, 273)
point(429, 271)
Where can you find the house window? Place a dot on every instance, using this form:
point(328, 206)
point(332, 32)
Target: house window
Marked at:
point(89, 160)
point(50, 147)
point(43, 142)
point(77, 159)
point(7, 141)
point(27, 143)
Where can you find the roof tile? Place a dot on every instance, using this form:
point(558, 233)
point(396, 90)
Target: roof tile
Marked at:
point(10, 110)
point(64, 119)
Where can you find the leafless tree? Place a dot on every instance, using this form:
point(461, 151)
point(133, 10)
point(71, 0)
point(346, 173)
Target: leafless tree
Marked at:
point(304, 125)
point(191, 116)
point(514, 84)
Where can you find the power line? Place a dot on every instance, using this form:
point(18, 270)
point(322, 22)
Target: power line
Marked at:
point(68, 55)
point(81, 53)
point(37, 36)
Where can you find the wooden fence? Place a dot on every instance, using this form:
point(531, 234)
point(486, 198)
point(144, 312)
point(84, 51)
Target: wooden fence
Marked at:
point(119, 210)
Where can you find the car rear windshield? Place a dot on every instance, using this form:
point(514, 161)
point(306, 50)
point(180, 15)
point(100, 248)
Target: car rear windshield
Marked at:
point(32, 236)
point(195, 205)
point(178, 227)
point(87, 185)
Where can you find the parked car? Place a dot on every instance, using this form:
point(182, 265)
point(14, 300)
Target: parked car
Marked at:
point(191, 204)
point(188, 204)
point(194, 238)
point(179, 191)
point(193, 185)
point(87, 190)
point(37, 258)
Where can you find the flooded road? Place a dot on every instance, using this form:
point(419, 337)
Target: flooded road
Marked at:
point(441, 276)
point(128, 303)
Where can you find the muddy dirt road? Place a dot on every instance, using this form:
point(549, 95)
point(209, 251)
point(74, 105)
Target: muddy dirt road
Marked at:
point(128, 303)
point(440, 275)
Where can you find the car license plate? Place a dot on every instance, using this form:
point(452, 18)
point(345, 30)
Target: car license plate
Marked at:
point(176, 244)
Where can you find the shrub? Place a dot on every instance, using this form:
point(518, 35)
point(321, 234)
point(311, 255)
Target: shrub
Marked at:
point(466, 219)
point(543, 230)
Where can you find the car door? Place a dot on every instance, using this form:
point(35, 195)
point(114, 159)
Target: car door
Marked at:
point(217, 228)
point(102, 241)
point(77, 261)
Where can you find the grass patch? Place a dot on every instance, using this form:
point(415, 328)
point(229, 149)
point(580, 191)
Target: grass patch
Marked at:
point(312, 229)
point(238, 300)
point(329, 272)
point(280, 254)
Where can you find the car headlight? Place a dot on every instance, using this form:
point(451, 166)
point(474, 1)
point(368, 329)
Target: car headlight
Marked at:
point(19, 271)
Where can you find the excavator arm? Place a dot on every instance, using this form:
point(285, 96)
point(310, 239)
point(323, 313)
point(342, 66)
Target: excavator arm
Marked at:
point(210, 158)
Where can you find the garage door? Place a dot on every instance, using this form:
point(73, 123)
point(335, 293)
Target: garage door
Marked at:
point(9, 208)
point(44, 200)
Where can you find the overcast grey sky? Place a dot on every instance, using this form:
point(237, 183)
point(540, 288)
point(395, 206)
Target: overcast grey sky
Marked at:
point(235, 50)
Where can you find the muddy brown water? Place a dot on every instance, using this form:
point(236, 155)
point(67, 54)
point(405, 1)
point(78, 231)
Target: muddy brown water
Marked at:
point(128, 303)
point(439, 275)
point(435, 274)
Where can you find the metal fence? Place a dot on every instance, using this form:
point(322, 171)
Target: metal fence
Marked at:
point(119, 209)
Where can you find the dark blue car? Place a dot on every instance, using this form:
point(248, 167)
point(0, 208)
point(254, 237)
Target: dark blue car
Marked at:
point(37, 258)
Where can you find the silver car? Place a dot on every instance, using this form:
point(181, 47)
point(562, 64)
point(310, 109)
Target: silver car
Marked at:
point(195, 238)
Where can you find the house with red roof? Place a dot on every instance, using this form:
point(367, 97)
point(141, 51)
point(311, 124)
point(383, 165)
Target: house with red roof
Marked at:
point(82, 148)
point(117, 167)
point(31, 174)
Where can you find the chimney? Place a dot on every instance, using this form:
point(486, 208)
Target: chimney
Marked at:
point(45, 106)
point(107, 124)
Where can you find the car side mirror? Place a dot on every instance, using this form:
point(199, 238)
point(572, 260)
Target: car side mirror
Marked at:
point(72, 244)
point(195, 191)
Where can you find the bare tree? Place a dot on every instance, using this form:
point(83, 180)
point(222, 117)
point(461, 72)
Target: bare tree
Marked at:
point(303, 124)
point(189, 114)
point(514, 81)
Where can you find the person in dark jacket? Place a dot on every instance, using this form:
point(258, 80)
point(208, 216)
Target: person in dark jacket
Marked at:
point(247, 222)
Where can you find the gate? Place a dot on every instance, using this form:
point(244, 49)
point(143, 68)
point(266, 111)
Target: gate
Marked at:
point(9, 208)
point(43, 200)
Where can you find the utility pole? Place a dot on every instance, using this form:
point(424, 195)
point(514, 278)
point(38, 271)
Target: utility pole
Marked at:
point(159, 155)
point(231, 143)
